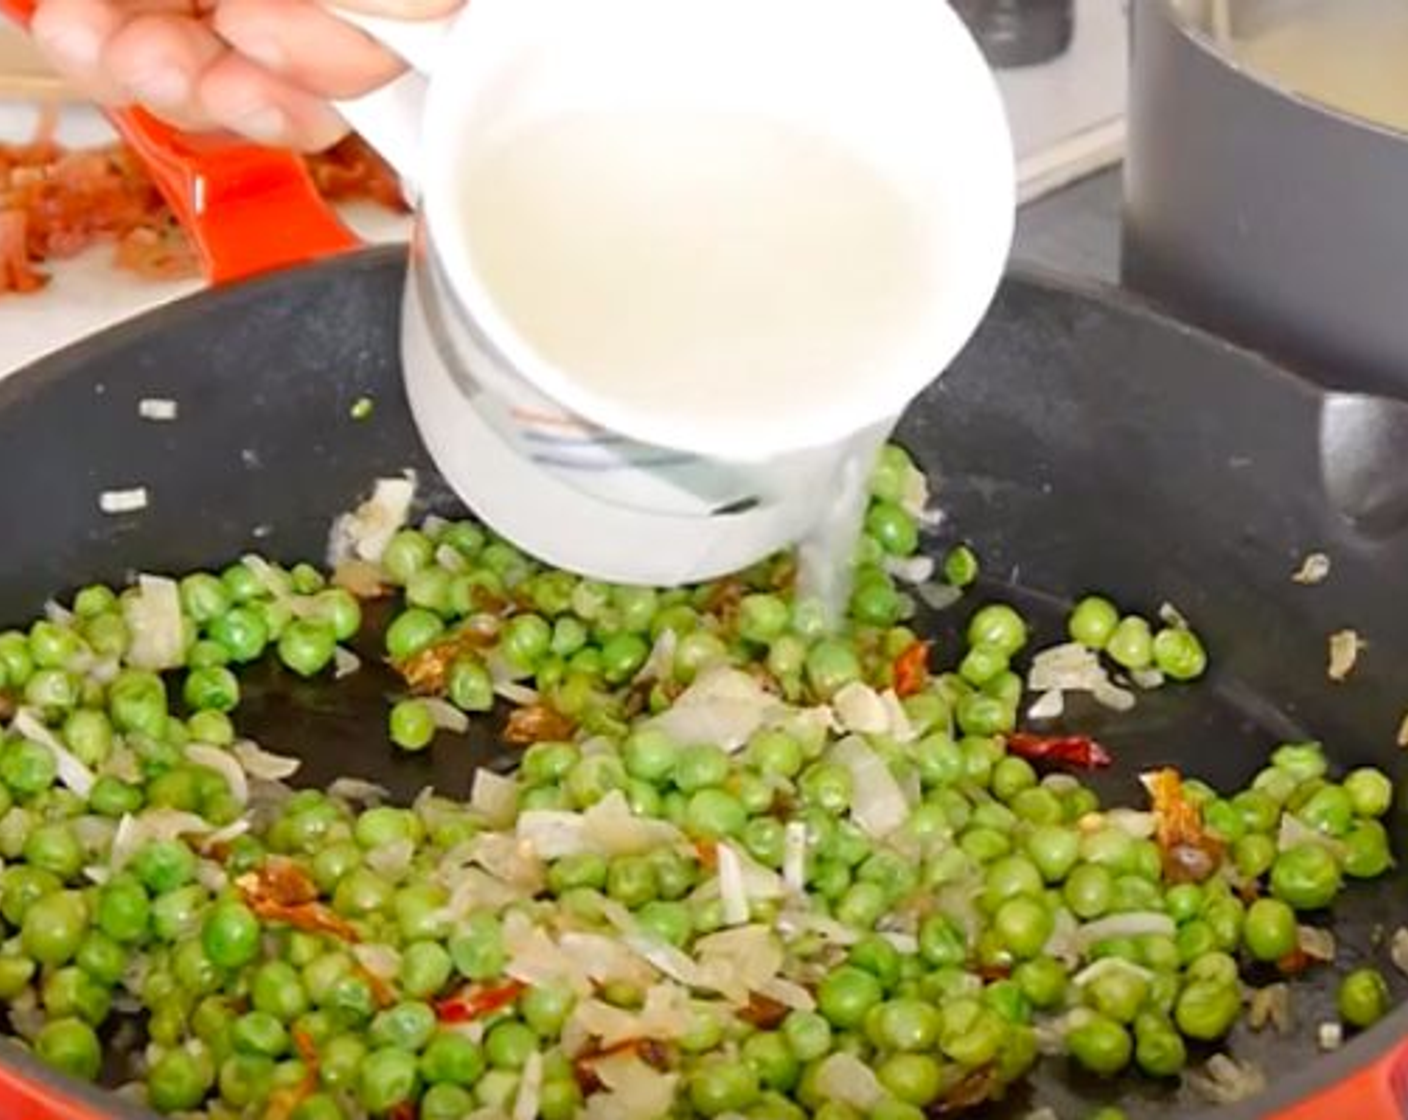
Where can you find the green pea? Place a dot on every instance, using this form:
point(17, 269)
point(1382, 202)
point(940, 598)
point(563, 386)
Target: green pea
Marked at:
point(408, 1025)
point(1179, 654)
point(719, 1086)
point(1089, 891)
point(230, 935)
point(1131, 645)
point(243, 633)
point(1093, 622)
point(388, 1077)
point(178, 1080)
point(1118, 993)
point(71, 1047)
point(508, 1045)
point(453, 1059)
point(1370, 792)
point(478, 949)
point(1270, 929)
point(714, 814)
point(1366, 850)
point(1329, 810)
point(213, 688)
point(53, 927)
point(412, 631)
point(27, 768)
point(847, 994)
point(1159, 1050)
point(1305, 876)
point(969, 1033)
point(1206, 1009)
point(54, 848)
point(1042, 981)
point(1363, 998)
point(1100, 1044)
point(999, 627)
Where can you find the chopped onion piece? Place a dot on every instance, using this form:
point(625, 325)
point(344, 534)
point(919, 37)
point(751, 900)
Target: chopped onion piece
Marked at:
point(132, 500)
point(516, 693)
point(724, 706)
point(70, 769)
point(794, 859)
point(450, 558)
point(1315, 568)
point(878, 803)
point(1051, 704)
point(1067, 667)
point(1398, 949)
point(505, 857)
point(224, 764)
point(608, 828)
point(530, 1088)
point(634, 1090)
point(787, 993)
point(1111, 696)
point(1316, 943)
point(151, 825)
point(1345, 648)
point(364, 533)
point(1402, 739)
point(661, 662)
point(731, 889)
point(1224, 1080)
point(860, 709)
point(1132, 822)
point(1171, 616)
point(1329, 1036)
point(356, 791)
point(661, 955)
point(160, 409)
point(738, 961)
point(57, 613)
point(262, 764)
point(391, 861)
point(494, 797)
point(1270, 1007)
point(938, 596)
point(344, 663)
point(845, 1078)
point(382, 961)
point(447, 717)
point(910, 569)
point(606, 959)
point(1147, 679)
point(1104, 965)
point(1139, 923)
point(1293, 832)
point(157, 631)
point(665, 1015)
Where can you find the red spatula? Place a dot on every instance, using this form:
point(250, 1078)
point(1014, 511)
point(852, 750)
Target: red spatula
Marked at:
point(248, 209)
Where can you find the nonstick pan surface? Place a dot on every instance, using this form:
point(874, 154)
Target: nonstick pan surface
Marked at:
point(1081, 443)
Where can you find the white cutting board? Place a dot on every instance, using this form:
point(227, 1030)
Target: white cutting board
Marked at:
point(88, 293)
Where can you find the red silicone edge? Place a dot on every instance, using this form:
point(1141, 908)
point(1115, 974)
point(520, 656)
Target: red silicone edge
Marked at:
point(22, 1098)
point(247, 209)
point(1374, 1092)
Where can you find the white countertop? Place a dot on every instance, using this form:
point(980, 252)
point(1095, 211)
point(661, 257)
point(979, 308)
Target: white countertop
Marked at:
point(1067, 120)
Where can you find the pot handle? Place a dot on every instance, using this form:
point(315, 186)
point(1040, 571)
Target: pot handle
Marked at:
point(248, 209)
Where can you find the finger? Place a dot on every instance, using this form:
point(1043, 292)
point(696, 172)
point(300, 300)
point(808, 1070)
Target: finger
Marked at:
point(306, 45)
point(241, 96)
point(402, 9)
point(159, 59)
point(73, 34)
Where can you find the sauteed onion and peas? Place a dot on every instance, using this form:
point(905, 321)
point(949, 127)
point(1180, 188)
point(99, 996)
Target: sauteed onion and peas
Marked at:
point(747, 865)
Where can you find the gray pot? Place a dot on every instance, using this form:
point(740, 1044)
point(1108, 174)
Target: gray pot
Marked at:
point(1266, 216)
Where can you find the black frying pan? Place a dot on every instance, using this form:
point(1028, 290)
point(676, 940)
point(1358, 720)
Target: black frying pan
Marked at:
point(1082, 442)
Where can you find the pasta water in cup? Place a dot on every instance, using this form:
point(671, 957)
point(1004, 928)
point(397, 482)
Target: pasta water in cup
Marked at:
point(680, 264)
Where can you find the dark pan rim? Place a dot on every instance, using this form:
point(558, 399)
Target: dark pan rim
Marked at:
point(1379, 1047)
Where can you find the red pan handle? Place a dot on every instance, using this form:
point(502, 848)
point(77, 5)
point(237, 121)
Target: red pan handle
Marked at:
point(1377, 1091)
point(248, 209)
point(25, 1098)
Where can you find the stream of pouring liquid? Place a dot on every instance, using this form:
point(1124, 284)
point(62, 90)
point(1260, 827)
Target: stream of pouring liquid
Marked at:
point(710, 266)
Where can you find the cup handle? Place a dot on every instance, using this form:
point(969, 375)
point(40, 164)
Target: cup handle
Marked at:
point(389, 118)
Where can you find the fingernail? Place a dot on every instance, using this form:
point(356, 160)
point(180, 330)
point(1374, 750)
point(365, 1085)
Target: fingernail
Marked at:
point(268, 53)
point(269, 126)
point(75, 46)
point(163, 86)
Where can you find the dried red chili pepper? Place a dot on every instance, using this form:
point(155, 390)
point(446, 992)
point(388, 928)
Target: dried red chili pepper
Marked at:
point(1191, 854)
point(911, 669)
point(763, 1012)
point(474, 1002)
point(1080, 751)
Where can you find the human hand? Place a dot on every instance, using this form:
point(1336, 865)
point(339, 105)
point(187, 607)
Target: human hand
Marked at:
point(267, 69)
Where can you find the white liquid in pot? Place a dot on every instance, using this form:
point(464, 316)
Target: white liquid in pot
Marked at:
point(1349, 54)
point(704, 266)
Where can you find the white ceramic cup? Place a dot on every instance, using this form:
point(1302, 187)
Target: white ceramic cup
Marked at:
point(584, 481)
